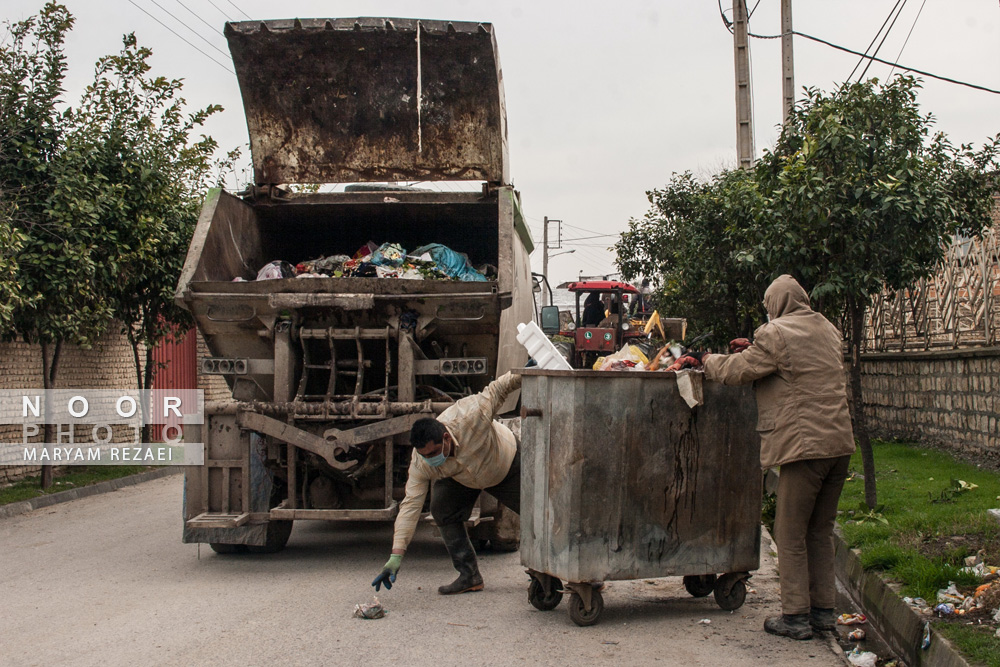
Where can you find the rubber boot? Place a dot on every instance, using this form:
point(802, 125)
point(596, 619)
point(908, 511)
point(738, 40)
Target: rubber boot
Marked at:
point(463, 557)
point(821, 620)
point(795, 626)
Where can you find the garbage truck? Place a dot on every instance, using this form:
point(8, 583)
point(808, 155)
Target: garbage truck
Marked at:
point(334, 315)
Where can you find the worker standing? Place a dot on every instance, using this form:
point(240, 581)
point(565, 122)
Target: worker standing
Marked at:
point(796, 362)
point(462, 452)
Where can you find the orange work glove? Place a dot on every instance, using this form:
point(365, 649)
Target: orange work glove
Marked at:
point(737, 345)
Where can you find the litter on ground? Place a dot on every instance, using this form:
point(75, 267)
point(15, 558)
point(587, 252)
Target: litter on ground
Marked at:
point(370, 611)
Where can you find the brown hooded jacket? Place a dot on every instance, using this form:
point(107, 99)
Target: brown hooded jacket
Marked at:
point(797, 365)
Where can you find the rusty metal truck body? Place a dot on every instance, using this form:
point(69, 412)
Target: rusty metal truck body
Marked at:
point(328, 374)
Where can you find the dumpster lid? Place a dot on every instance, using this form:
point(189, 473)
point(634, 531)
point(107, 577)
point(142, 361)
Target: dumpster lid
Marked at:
point(371, 99)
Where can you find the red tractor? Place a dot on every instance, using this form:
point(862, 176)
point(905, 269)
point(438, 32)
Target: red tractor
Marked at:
point(602, 324)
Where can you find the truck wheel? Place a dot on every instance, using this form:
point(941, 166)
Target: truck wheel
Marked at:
point(227, 549)
point(278, 533)
point(699, 585)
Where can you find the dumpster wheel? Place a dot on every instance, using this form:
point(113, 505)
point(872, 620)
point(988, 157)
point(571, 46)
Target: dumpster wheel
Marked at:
point(540, 598)
point(578, 612)
point(731, 590)
point(699, 585)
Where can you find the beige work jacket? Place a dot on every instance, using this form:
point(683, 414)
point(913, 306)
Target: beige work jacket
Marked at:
point(796, 362)
point(483, 450)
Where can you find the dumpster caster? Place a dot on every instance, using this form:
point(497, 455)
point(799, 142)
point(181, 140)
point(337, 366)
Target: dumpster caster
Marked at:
point(544, 592)
point(578, 603)
point(731, 590)
point(699, 585)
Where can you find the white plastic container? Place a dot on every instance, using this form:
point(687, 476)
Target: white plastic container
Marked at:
point(541, 348)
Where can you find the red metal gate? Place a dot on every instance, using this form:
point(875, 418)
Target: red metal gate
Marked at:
point(180, 359)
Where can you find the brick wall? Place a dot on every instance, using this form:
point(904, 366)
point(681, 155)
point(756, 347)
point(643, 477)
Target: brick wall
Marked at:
point(108, 365)
point(945, 398)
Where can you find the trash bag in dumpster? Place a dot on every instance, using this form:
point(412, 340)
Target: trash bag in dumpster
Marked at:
point(389, 255)
point(275, 270)
point(627, 358)
point(455, 264)
point(390, 260)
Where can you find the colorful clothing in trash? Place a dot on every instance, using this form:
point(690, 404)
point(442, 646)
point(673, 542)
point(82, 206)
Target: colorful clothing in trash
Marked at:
point(483, 452)
point(796, 362)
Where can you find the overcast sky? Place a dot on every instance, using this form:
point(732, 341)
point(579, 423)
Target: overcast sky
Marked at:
point(604, 100)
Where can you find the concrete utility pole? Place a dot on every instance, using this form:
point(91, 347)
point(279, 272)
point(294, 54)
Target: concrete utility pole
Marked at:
point(545, 259)
point(744, 110)
point(545, 253)
point(787, 60)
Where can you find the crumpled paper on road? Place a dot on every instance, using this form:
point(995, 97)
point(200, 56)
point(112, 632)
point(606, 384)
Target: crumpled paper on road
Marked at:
point(370, 611)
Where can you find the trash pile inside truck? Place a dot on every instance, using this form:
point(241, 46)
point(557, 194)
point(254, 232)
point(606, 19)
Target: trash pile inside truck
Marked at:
point(434, 261)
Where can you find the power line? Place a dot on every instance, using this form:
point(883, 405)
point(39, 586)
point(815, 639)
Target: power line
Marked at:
point(582, 229)
point(132, 2)
point(884, 37)
point(239, 10)
point(872, 43)
point(219, 10)
point(880, 60)
point(198, 34)
point(753, 100)
point(907, 40)
point(585, 238)
point(726, 22)
point(198, 16)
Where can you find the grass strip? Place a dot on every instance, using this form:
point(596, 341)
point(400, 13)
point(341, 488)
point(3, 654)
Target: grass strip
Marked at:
point(931, 515)
point(72, 478)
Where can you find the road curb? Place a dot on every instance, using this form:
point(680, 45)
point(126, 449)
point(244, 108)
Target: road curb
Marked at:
point(900, 626)
point(25, 506)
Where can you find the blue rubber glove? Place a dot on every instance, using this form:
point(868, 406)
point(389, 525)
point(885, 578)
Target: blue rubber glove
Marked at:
point(388, 574)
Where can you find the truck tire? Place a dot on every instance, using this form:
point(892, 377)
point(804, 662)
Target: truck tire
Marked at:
point(227, 549)
point(278, 533)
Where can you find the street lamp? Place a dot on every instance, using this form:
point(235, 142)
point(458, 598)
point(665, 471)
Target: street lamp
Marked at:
point(564, 252)
point(545, 266)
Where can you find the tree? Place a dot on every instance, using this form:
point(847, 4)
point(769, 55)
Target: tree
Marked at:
point(694, 244)
point(50, 198)
point(856, 196)
point(134, 126)
point(860, 197)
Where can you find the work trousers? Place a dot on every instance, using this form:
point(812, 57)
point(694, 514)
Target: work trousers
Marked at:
point(452, 502)
point(808, 492)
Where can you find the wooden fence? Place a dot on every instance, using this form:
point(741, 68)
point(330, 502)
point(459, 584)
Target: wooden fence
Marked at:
point(958, 307)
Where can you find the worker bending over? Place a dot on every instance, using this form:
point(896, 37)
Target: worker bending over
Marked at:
point(463, 451)
point(796, 362)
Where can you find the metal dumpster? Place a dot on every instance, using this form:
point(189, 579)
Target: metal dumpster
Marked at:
point(621, 480)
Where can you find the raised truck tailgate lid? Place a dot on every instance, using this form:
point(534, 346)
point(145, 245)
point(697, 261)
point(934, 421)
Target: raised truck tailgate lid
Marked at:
point(371, 99)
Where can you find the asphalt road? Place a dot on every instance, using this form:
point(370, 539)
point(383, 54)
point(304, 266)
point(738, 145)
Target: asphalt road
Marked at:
point(106, 581)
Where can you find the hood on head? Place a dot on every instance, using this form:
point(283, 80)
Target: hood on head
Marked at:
point(785, 295)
